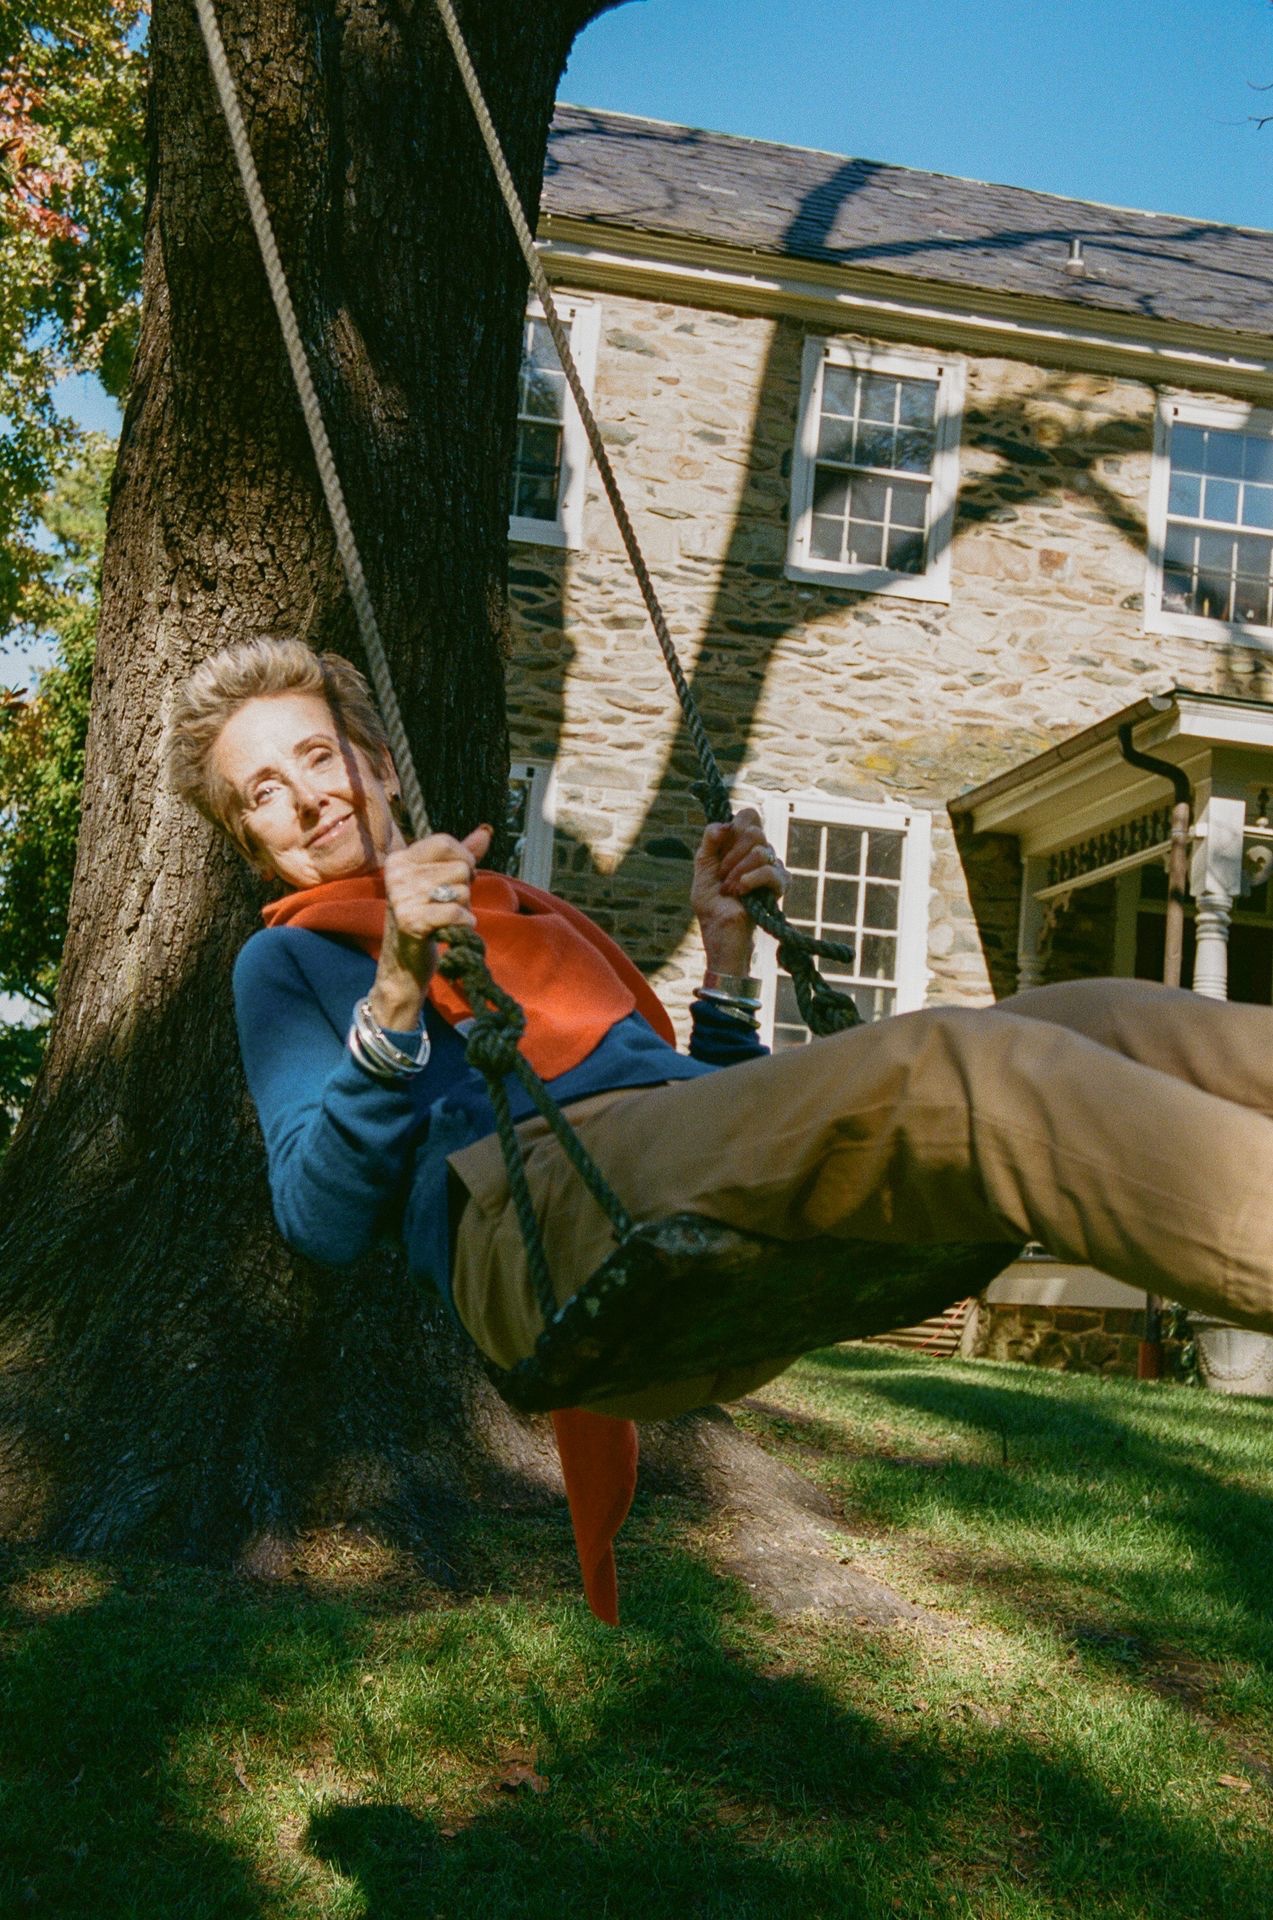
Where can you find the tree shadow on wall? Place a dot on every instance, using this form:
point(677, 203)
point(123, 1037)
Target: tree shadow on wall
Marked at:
point(1018, 454)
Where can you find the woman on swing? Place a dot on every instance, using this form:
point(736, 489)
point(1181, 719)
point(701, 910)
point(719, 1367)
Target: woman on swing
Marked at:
point(1126, 1126)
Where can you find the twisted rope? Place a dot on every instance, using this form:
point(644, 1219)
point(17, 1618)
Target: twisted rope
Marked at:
point(824, 1008)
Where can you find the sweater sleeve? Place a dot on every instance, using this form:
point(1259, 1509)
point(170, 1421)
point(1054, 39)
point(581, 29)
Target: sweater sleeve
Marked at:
point(337, 1140)
point(719, 1041)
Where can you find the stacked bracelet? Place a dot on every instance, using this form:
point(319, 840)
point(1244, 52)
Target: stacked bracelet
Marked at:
point(735, 995)
point(382, 1057)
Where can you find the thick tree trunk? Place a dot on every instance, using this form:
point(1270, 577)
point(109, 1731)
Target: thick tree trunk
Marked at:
point(170, 1374)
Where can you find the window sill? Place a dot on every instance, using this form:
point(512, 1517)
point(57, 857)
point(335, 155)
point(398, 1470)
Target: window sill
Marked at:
point(1192, 626)
point(540, 533)
point(901, 586)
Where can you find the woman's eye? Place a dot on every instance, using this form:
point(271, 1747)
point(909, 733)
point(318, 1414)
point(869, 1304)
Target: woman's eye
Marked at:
point(261, 795)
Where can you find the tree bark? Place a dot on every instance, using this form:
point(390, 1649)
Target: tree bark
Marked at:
point(171, 1376)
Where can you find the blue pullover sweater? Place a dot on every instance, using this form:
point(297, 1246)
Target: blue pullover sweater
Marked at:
point(353, 1160)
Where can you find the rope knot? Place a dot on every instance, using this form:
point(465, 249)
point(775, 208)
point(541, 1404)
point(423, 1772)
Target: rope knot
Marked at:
point(492, 1045)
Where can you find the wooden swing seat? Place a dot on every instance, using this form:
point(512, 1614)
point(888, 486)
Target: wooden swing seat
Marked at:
point(687, 1295)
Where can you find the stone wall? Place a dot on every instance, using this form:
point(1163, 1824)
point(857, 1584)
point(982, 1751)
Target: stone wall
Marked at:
point(819, 689)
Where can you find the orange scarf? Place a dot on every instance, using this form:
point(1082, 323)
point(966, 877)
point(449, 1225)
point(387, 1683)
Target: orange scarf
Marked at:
point(572, 980)
point(574, 984)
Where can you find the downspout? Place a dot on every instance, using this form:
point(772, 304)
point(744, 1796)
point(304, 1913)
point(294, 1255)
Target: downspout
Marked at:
point(1149, 1363)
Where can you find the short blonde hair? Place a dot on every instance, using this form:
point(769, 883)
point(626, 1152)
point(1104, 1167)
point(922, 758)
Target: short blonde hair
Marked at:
point(253, 670)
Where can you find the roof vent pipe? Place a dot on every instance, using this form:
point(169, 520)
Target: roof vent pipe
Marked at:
point(1076, 265)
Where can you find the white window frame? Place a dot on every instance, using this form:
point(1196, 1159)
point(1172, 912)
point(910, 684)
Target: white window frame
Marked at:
point(949, 374)
point(536, 863)
point(583, 319)
point(1184, 410)
point(916, 826)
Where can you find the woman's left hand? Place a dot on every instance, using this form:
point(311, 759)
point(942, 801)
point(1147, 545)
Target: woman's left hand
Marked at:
point(733, 859)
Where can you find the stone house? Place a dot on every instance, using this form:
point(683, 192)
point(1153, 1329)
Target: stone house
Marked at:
point(941, 483)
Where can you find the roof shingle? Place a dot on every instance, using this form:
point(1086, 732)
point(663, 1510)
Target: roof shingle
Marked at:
point(679, 181)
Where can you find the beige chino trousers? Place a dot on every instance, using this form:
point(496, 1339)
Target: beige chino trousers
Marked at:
point(1124, 1125)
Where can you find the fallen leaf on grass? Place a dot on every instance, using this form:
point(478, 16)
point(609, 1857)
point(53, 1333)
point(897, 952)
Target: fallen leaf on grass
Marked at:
point(1234, 1781)
point(517, 1775)
point(239, 1773)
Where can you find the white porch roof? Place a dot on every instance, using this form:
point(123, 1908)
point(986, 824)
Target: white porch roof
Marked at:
point(1083, 785)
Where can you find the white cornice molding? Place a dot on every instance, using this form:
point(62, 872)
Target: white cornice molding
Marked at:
point(586, 254)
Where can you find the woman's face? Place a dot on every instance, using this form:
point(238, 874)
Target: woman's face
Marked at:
point(311, 805)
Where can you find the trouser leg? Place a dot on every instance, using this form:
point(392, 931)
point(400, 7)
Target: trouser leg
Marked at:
point(936, 1126)
point(1223, 1047)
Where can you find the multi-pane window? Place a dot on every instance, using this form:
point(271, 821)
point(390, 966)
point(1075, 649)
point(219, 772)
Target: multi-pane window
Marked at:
point(550, 457)
point(872, 478)
point(1218, 544)
point(875, 471)
point(541, 413)
point(529, 814)
point(858, 875)
point(1210, 519)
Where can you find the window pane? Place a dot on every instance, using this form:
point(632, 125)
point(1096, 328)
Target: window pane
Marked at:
point(879, 398)
point(804, 844)
point(880, 907)
point(534, 497)
point(800, 902)
point(884, 854)
point(543, 392)
point(831, 491)
point(1251, 602)
point(839, 390)
point(1215, 553)
point(865, 546)
point(1257, 456)
point(875, 447)
point(906, 551)
point(918, 402)
point(877, 957)
point(914, 452)
point(1175, 592)
point(869, 499)
point(826, 539)
point(835, 439)
point(789, 1029)
point(844, 849)
point(1257, 506)
point(840, 903)
point(910, 505)
point(1220, 500)
point(1180, 548)
point(1185, 494)
point(874, 1003)
point(1224, 452)
point(1252, 557)
point(1188, 449)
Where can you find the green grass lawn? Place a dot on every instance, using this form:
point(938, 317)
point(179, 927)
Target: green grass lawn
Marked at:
point(1083, 1727)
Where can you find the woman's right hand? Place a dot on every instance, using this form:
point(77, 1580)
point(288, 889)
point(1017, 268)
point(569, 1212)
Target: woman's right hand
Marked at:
point(414, 877)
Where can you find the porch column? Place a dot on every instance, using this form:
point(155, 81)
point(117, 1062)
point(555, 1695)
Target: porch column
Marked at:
point(1216, 883)
point(1031, 945)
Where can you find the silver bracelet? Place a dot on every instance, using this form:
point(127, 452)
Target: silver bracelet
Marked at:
point(732, 986)
point(741, 1011)
point(382, 1057)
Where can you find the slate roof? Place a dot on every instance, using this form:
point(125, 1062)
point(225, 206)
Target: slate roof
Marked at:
point(666, 180)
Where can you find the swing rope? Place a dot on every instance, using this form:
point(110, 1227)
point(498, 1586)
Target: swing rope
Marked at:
point(824, 1008)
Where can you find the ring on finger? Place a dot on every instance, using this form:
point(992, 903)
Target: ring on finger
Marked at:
point(446, 895)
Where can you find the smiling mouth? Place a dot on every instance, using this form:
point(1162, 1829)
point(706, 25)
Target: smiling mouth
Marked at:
point(325, 833)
